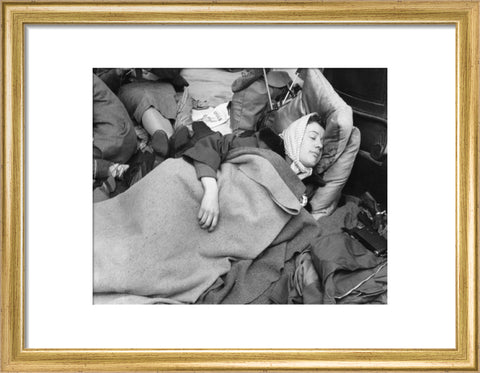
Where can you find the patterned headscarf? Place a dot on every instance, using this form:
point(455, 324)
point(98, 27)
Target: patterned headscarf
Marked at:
point(292, 137)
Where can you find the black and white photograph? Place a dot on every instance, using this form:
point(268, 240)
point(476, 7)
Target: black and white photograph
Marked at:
point(239, 185)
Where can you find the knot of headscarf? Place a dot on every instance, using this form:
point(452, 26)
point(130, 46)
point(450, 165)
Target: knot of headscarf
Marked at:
point(292, 137)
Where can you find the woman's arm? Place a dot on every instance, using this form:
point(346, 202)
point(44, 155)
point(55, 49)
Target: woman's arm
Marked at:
point(209, 152)
point(209, 210)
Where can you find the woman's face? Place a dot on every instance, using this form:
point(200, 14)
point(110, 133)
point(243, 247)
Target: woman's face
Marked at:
point(312, 145)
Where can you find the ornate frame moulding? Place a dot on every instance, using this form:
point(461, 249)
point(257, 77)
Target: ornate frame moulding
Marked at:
point(465, 17)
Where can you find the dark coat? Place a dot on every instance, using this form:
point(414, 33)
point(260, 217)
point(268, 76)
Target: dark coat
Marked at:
point(209, 151)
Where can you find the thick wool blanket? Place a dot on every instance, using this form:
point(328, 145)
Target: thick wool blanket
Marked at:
point(148, 243)
point(259, 280)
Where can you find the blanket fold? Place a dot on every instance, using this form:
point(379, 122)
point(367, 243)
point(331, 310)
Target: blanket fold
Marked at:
point(255, 281)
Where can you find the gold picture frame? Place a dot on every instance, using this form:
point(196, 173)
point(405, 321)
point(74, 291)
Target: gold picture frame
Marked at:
point(15, 15)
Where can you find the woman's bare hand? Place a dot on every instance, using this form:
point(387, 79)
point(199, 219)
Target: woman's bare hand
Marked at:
point(209, 208)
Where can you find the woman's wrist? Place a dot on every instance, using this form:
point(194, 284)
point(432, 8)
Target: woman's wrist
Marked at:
point(209, 183)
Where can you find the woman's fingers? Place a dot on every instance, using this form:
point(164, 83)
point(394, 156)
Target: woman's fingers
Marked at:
point(201, 211)
point(208, 221)
point(214, 223)
point(202, 216)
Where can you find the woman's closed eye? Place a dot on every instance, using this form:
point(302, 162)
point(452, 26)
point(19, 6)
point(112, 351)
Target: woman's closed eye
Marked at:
point(317, 139)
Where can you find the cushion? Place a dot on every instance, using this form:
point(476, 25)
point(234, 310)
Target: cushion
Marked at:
point(319, 96)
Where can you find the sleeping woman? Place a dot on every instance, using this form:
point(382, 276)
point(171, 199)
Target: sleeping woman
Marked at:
point(300, 144)
point(169, 237)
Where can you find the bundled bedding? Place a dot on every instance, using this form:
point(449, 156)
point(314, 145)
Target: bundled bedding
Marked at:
point(148, 243)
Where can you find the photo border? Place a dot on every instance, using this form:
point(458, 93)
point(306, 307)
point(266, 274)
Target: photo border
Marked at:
point(16, 16)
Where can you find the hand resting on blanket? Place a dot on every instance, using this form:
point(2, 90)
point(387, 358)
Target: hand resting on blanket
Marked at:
point(209, 210)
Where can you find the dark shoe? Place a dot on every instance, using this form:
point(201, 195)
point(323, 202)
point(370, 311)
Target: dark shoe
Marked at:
point(171, 75)
point(247, 78)
point(160, 143)
point(140, 165)
point(179, 83)
point(180, 142)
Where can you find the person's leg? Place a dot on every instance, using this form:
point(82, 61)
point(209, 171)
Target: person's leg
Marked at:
point(153, 121)
point(325, 199)
point(160, 129)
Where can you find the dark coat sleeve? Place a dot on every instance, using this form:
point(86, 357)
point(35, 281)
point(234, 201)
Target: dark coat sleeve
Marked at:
point(209, 152)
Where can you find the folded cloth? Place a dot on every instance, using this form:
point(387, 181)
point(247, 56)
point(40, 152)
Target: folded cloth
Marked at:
point(139, 96)
point(344, 265)
point(260, 280)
